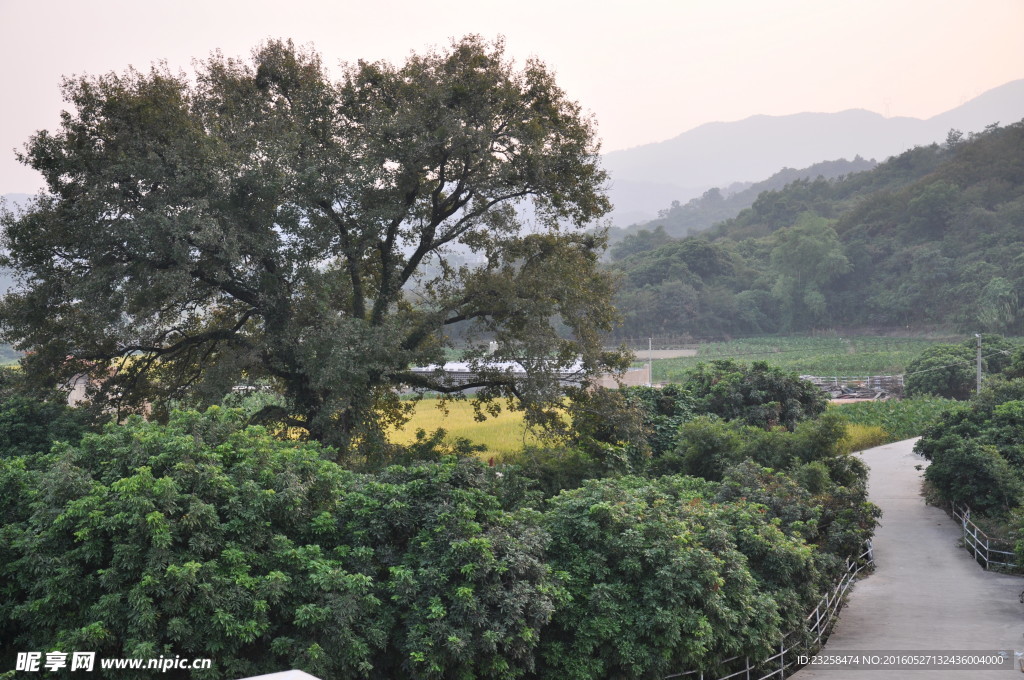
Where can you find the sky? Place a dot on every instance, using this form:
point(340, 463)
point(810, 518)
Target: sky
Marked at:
point(647, 70)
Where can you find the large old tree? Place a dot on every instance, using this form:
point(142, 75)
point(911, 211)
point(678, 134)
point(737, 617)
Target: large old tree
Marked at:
point(261, 222)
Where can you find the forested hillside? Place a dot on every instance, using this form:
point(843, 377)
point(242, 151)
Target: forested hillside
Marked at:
point(930, 237)
point(720, 204)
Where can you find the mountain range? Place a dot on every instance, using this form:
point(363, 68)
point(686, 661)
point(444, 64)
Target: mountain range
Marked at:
point(647, 178)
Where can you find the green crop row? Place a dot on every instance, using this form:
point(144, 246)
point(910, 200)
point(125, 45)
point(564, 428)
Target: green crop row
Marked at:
point(901, 419)
point(826, 356)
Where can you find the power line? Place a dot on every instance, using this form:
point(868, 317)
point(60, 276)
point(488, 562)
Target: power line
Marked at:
point(959, 363)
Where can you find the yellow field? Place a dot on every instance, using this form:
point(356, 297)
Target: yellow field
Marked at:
point(506, 433)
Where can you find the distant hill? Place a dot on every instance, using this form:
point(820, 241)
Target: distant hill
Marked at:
point(718, 204)
point(719, 154)
point(930, 238)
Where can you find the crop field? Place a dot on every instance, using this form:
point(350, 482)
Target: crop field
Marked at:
point(900, 419)
point(824, 356)
point(504, 434)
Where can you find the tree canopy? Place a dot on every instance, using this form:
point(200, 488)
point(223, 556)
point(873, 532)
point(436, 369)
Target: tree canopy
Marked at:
point(259, 222)
point(951, 370)
point(758, 394)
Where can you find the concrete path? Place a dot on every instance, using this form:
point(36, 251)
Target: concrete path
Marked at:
point(926, 593)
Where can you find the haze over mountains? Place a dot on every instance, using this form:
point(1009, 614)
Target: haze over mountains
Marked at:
point(646, 179)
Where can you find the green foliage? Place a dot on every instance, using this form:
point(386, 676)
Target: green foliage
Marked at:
point(659, 580)
point(1015, 369)
point(928, 238)
point(548, 470)
point(196, 539)
point(758, 394)
point(950, 371)
point(824, 503)
point(712, 207)
point(664, 410)
point(258, 222)
point(900, 418)
point(204, 539)
point(805, 259)
point(967, 471)
point(465, 586)
point(609, 428)
point(621, 429)
point(640, 242)
point(30, 425)
point(707, 446)
point(977, 450)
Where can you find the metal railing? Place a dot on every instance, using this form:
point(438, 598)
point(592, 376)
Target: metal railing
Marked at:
point(801, 643)
point(980, 544)
point(888, 384)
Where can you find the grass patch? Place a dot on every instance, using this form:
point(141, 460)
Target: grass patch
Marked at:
point(506, 433)
point(859, 437)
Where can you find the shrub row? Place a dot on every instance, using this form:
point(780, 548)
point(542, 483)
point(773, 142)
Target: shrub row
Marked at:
point(206, 538)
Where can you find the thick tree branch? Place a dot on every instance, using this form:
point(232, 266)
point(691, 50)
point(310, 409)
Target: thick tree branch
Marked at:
point(353, 260)
point(422, 381)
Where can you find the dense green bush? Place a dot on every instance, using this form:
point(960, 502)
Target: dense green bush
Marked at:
point(208, 540)
point(464, 586)
point(30, 423)
point(824, 502)
point(196, 539)
point(549, 470)
point(950, 371)
point(623, 428)
point(707, 446)
point(659, 581)
point(977, 450)
point(758, 394)
point(967, 471)
point(29, 426)
point(664, 410)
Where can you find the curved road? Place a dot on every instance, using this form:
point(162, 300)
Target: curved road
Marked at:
point(926, 593)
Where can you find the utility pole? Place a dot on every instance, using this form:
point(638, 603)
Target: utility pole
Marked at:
point(978, 337)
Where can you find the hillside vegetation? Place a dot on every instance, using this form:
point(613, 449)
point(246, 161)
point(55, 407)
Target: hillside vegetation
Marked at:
point(719, 204)
point(930, 237)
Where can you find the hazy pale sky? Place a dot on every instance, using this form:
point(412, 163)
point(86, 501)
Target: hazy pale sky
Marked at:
point(648, 70)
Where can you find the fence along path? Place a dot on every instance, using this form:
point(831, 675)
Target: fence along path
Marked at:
point(926, 592)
